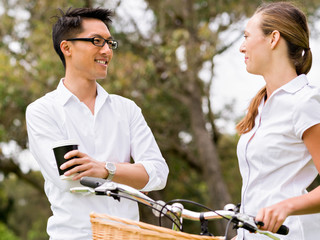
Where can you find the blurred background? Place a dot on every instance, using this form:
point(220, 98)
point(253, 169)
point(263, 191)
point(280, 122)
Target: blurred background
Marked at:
point(178, 60)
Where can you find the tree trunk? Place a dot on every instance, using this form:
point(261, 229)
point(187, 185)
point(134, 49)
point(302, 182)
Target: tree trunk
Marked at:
point(208, 157)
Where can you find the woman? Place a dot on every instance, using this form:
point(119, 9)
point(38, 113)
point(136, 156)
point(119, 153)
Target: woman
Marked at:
point(279, 148)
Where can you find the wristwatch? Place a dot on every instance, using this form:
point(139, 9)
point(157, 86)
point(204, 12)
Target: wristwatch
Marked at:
point(111, 168)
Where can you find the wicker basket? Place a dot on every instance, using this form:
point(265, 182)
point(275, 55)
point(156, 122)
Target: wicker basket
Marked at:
point(105, 227)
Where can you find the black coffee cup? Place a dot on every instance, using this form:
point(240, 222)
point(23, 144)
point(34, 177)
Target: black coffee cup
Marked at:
point(60, 148)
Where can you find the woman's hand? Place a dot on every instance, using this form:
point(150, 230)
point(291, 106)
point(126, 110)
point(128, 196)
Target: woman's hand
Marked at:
point(274, 216)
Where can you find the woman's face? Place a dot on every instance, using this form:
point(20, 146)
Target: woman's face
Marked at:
point(256, 47)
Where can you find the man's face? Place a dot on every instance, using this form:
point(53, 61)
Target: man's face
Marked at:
point(87, 60)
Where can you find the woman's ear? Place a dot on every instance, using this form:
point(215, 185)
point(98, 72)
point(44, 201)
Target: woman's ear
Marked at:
point(65, 48)
point(274, 38)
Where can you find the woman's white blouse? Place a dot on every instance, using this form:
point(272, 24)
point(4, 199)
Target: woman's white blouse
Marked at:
point(273, 159)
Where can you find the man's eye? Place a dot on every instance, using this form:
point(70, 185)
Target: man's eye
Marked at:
point(112, 44)
point(98, 40)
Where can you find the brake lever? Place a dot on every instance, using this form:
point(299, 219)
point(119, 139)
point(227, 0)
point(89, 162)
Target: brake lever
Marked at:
point(82, 190)
point(244, 221)
point(109, 189)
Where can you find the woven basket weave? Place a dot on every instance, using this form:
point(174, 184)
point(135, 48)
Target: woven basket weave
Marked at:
point(105, 227)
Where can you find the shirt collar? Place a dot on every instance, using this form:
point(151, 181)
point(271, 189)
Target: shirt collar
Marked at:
point(65, 95)
point(102, 97)
point(295, 84)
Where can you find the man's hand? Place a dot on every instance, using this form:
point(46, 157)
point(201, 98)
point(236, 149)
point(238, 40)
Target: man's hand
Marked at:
point(87, 166)
point(133, 175)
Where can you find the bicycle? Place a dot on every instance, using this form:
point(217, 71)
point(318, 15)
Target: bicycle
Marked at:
point(174, 209)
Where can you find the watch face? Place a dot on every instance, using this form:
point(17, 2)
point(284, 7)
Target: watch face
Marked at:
point(111, 167)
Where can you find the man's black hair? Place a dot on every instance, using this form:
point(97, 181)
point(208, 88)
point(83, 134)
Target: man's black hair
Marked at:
point(69, 24)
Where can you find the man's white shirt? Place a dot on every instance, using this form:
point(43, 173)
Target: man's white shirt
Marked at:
point(116, 132)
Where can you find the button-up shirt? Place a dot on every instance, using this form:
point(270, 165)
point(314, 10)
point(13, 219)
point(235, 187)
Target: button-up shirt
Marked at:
point(274, 162)
point(115, 132)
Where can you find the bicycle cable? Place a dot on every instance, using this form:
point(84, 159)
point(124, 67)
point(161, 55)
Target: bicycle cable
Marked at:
point(227, 229)
point(112, 194)
point(198, 204)
point(191, 202)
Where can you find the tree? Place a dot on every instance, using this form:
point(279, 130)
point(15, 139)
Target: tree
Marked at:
point(28, 69)
point(164, 66)
point(159, 68)
point(6, 234)
point(181, 43)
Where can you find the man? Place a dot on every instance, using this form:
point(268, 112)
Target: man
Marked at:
point(109, 129)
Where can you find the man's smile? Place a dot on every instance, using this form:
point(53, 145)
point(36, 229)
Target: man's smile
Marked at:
point(105, 62)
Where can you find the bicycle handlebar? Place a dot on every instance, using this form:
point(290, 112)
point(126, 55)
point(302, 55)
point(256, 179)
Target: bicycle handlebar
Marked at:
point(160, 208)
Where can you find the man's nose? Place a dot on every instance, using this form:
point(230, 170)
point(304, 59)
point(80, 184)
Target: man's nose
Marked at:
point(106, 49)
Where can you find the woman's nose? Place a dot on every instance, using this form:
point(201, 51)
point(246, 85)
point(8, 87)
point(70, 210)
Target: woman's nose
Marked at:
point(242, 48)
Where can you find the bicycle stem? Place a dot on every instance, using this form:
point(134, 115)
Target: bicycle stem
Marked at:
point(176, 214)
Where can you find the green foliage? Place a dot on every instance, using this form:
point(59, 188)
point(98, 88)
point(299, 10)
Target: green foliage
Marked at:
point(144, 68)
point(6, 234)
point(30, 207)
point(37, 230)
point(23, 209)
point(227, 146)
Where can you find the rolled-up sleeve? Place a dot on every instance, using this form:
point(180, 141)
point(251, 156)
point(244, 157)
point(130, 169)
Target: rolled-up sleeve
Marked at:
point(144, 150)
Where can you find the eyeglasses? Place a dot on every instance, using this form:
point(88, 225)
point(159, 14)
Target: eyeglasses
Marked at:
point(98, 41)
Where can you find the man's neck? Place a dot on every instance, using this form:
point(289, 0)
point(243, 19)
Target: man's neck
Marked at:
point(85, 90)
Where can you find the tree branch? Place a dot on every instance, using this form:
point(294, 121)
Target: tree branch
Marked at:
point(8, 166)
point(184, 154)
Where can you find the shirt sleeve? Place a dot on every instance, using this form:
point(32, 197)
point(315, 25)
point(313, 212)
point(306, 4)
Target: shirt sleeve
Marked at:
point(307, 112)
point(144, 150)
point(42, 132)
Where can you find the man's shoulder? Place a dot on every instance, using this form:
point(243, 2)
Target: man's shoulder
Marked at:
point(44, 102)
point(123, 105)
point(117, 99)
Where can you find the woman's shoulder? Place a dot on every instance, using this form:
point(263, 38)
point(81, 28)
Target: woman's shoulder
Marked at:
point(306, 109)
point(310, 94)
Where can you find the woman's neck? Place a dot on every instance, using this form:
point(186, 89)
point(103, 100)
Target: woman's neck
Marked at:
point(276, 80)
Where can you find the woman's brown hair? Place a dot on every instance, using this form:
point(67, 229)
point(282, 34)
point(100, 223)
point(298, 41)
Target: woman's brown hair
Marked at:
point(293, 27)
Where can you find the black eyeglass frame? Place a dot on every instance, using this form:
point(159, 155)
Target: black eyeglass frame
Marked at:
point(113, 45)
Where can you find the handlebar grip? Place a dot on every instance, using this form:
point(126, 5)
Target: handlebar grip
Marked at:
point(283, 230)
point(92, 181)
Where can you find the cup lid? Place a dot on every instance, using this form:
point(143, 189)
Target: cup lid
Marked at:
point(66, 142)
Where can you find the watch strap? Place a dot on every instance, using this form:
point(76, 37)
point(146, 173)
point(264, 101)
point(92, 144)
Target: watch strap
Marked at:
point(111, 168)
